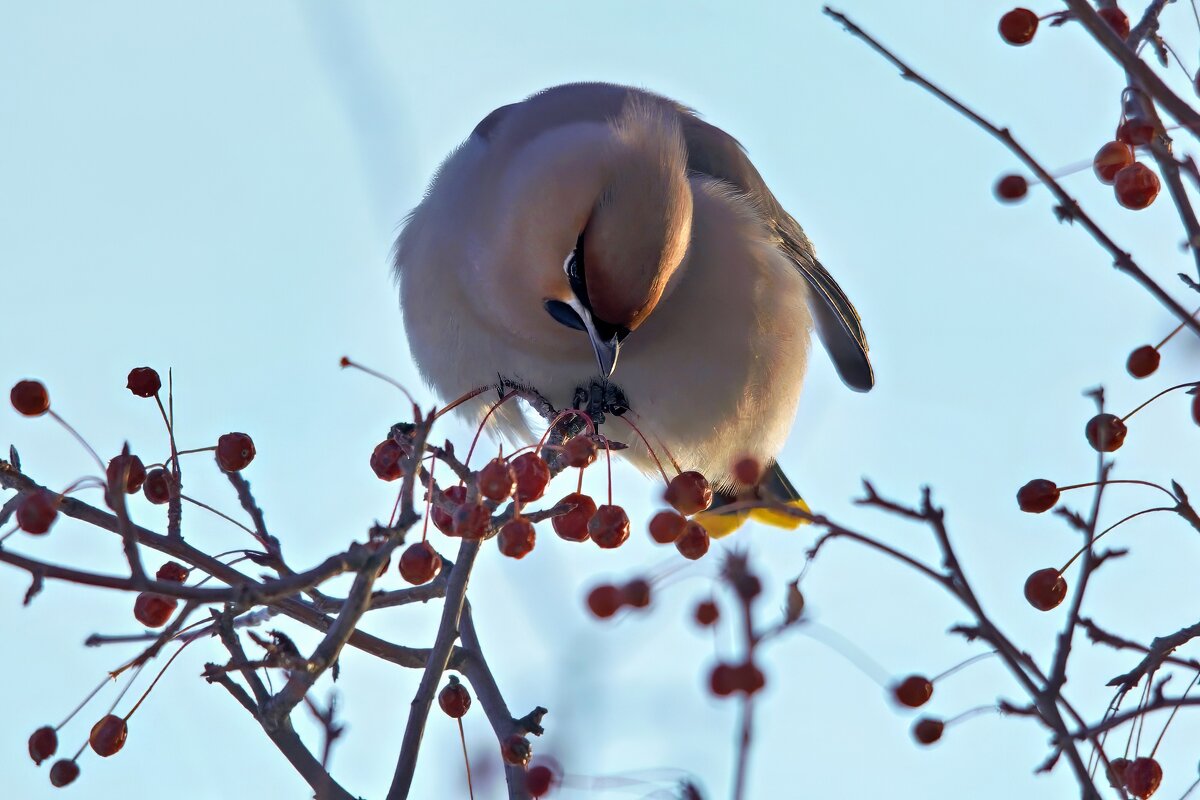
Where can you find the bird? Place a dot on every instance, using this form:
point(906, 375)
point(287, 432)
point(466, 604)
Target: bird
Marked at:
point(598, 237)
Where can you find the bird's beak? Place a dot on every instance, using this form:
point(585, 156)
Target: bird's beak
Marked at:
point(606, 350)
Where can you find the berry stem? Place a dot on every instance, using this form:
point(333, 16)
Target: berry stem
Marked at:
point(16, 527)
point(1174, 711)
point(483, 422)
point(107, 679)
point(121, 695)
point(1178, 328)
point(1100, 535)
point(464, 398)
point(346, 362)
point(428, 500)
point(1162, 489)
point(962, 665)
point(1160, 394)
point(608, 460)
point(972, 712)
point(54, 415)
point(462, 737)
point(562, 415)
point(847, 650)
point(395, 508)
point(662, 445)
point(154, 682)
point(220, 514)
point(650, 449)
point(579, 486)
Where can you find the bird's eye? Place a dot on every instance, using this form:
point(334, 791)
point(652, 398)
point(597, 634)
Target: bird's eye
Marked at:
point(563, 314)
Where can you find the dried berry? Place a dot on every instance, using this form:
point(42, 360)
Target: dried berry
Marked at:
point(144, 382)
point(420, 563)
point(1143, 361)
point(454, 699)
point(445, 520)
point(604, 600)
point(1045, 589)
point(157, 486)
point(516, 538)
point(1018, 26)
point(689, 493)
point(532, 475)
point(128, 468)
point(609, 527)
point(707, 613)
point(636, 593)
point(64, 772)
point(43, 743)
point(1105, 432)
point(579, 452)
point(387, 460)
point(667, 526)
point(1037, 496)
point(1143, 776)
point(516, 750)
point(928, 730)
point(172, 571)
point(1117, 19)
point(30, 398)
point(154, 610)
point(37, 511)
point(108, 735)
point(914, 691)
point(1110, 159)
point(1116, 772)
point(694, 541)
point(1011, 188)
point(235, 451)
point(1136, 186)
point(496, 480)
point(472, 520)
point(573, 526)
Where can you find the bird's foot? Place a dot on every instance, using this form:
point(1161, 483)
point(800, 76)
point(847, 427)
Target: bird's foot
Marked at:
point(600, 398)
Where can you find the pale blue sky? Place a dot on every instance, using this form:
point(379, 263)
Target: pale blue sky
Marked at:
point(215, 188)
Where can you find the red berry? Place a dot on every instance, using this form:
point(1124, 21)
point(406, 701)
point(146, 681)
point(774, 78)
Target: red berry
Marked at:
point(172, 571)
point(472, 521)
point(1116, 772)
point(154, 610)
point(689, 493)
point(750, 678)
point(516, 750)
point(1011, 188)
point(129, 468)
point(540, 779)
point(1018, 26)
point(157, 486)
point(1045, 589)
point(108, 735)
point(914, 691)
point(30, 398)
point(516, 538)
point(1111, 159)
point(667, 526)
point(235, 451)
point(1135, 132)
point(1143, 361)
point(1105, 432)
point(445, 520)
point(43, 744)
point(144, 382)
point(693, 543)
point(707, 613)
point(928, 730)
point(387, 460)
point(573, 526)
point(496, 480)
point(63, 772)
point(636, 593)
point(723, 680)
point(532, 475)
point(37, 511)
point(604, 600)
point(1037, 496)
point(420, 563)
point(454, 698)
point(579, 452)
point(609, 527)
point(1143, 776)
point(1116, 19)
point(1136, 186)
point(747, 471)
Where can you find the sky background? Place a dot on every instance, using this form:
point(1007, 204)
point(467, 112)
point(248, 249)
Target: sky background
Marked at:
point(215, 188)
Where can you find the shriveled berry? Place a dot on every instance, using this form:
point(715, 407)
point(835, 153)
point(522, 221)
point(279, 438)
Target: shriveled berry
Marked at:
point(532, 475)
point(172, 571)
point(694, 541)
point(154, 610)
point(1105, 432)
point(108, 735)
point(1110, 159)
point(1136, 186)
point(636, 593)
point(914, 691)
point(64, 772)
point(387, 460)
point(445, 520)
point(143, 381)
point(235, 451)
point(1037, 496)
point(573, 526)
point(793, 606)
point(37, 511)
point(420, 563)
point(454, 698)
point(540, 779)
point(604, 600)
point(157, 486)
point(689, 493)
point(579, 452)
point(747, 471)
point(496, 480)
point(471, 520)
point(43, 743)
point(667, 526)
point(1143, 776)
point(609, 527)
point(516, 750)
point(1018, 26)
point(723, 680)
point(1117, 19)
point(1011, 188)
point(1116, 772)
point(516, 538)
point(30, 398)
point(928, 730)
point(707, 613)
point(1143, 361)
point(128, 468)
point(1045, 589)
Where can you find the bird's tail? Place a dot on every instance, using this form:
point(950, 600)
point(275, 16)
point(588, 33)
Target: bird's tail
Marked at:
point(774, 486)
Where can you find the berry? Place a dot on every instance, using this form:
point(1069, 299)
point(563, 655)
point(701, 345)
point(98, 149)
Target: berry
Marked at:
point(667, 526)
point(604, 600)
point(794, 604)
point(1135, 132)
point(454, 698)
point(108, 735)
point(579, 452)
point(746, 585)
point(1011, 188)
point(1116, 772)
point(1143, 361)
point(1116, 19)
point(235, 451)
point(30, 398)
point(516, 538)
point(609, 527)
point(387, 460)
point(636, 593)
point(928, 730)
point(747, 471)
point(1105, 432)
point(1045, 589)
point(914, 691)
point(420, 563)
point(129, 468)
point(707, 613)
point(1018, 26)
point(37, 511)
point(1111, 159)
point(532, 475)
point(1037, 496)
point(1136, 186)
point(694, 542)
point(496, 480)
point(154, 610)
point(516, 750)
point(689, 493)
point(472, 521)
point(43, 744)
point(723, 680)
point(144, 382)
point(573, 526)
point(172, 571)
point(1142, 777)
point(749, 678)
point(63, 772)
point(157, 486)
point(539, 780)
point(443, 520)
